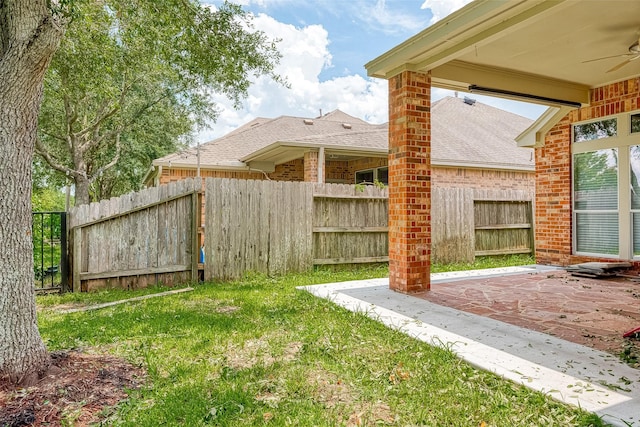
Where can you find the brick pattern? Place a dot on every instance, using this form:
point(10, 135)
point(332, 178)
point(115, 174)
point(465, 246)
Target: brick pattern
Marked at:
point(409, 182)
point(338, 172)
point(443, 177)
point(553, 212)
point(311, 166)
point(290, 171)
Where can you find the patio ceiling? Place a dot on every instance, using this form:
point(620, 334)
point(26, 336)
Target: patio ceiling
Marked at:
point(532, 50)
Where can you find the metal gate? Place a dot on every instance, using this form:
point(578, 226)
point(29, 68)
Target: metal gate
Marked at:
point(50, 264)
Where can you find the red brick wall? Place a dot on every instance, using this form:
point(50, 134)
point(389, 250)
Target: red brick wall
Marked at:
point(443, 177)
point(553, 173)
point(410, 182)
point(291, 171)
point(338, 172)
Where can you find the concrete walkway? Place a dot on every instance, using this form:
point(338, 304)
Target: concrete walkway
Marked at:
point(593, 380)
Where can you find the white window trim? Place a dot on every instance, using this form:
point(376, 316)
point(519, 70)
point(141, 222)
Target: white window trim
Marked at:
point(622, 142)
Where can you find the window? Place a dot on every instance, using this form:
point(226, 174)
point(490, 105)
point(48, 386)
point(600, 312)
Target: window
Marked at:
point(370, 176)
point(634, 163)
point(364, 177)
point(383, 175)
point(606, 187)
point(635, 123)
point(595, 130)
point(595, 202)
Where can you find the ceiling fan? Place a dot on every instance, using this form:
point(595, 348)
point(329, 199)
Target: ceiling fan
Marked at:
point(632, 55)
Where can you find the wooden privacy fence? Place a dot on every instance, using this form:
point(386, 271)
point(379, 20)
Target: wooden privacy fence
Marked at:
point(350, 224)
point(137, 239)
point(470, 222)
point(275, 227)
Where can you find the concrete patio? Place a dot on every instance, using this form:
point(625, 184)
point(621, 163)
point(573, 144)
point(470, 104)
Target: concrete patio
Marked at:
point(534, 325)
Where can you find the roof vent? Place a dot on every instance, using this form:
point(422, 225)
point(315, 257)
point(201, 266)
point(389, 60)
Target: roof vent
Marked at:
point(469, 101)
point(307, 121)
point(346, 125)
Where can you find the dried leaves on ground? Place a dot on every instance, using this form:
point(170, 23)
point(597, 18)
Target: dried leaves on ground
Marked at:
point(77, 390)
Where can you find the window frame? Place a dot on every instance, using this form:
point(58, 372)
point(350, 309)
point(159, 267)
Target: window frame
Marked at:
point(622, 141)
point(375, 174)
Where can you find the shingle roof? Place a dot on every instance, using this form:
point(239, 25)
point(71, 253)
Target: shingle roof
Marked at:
point(462, 134)
point(477, 134)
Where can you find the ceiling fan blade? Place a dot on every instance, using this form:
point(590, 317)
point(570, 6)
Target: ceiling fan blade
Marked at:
point(620, 65)
point(607, 57)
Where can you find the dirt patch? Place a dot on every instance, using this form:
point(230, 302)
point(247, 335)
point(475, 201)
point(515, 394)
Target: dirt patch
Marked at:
point(332, 392)
point(76, 391)
point(258, 352)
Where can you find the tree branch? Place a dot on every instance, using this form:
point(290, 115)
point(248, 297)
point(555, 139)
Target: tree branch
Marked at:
point(101, 116)
point(42, 151)
point(109, 165)
point(54, 136)
point(116, 132)
point(53, 162)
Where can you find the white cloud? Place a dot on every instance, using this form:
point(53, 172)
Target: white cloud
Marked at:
point(441, 8)
point(305, 53)
point(389, 20)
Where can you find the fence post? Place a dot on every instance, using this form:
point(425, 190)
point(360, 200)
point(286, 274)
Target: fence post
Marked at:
point(76, 259)
point(195, 241)
point(64, 254)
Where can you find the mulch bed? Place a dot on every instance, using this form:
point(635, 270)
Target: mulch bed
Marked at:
point(77, 390)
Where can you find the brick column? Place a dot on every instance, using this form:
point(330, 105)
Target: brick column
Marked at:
point(311, 166)
point(410, 182)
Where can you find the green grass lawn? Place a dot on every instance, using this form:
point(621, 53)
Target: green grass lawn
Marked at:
point(259, 352)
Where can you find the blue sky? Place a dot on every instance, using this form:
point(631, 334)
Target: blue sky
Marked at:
point(325, 44)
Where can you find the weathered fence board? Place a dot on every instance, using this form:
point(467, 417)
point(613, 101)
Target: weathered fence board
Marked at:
point(137, 239)
point(259, 226)
point(459, 232)
point(350, 224)
point(275, 227)
point(452, 225)
point(503, 227)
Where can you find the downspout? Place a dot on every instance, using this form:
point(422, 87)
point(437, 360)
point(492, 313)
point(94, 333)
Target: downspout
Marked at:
point(321, 166)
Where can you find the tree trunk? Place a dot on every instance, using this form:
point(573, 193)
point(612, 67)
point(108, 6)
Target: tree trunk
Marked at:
point(29, 35)
point(82, 191)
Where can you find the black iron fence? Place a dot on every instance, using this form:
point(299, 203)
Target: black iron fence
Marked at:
point(50, 251)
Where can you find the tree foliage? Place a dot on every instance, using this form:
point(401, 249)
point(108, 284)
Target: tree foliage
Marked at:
point(133, 78)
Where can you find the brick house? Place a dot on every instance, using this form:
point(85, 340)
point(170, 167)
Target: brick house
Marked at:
point(474, 146)
point(575, 57)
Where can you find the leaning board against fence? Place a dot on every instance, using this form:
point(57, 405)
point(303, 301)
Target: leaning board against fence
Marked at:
point(137, 239)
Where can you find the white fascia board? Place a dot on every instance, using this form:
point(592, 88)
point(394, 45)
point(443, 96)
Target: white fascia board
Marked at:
point(534, 135)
